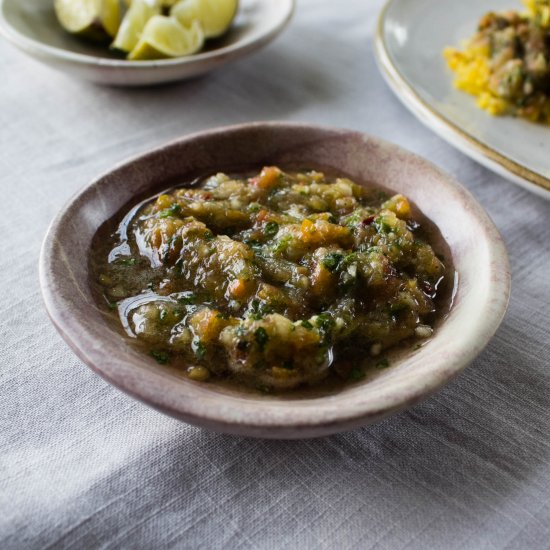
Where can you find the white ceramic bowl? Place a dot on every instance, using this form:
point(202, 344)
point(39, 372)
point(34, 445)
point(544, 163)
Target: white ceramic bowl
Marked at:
point(31, 26)
point(478, 254)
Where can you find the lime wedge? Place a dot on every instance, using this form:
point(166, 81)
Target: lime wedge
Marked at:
point(215, 16)
point(164, 36)
point(163, 3)
point(133, 23)
point(95, 19)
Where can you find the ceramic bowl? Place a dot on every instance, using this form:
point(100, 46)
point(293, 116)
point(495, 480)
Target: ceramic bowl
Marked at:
point(32, 27)
point(477, 250)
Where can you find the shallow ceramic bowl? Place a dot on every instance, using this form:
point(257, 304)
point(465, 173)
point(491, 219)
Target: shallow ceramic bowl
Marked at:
point(477, 250)
point(32, 27)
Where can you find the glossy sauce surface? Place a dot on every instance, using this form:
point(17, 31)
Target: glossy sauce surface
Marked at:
point(276, 281)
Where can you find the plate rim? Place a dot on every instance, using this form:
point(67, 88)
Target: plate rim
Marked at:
point(445, 127)
point(40, 49)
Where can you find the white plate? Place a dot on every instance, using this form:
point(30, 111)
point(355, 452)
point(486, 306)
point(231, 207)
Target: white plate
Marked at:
point(409, 43)
point(31, 25)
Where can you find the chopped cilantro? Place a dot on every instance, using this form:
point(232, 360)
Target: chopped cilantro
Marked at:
point(127, 261)
point(163, 314)
point(188, 299)
point(161, 357)
point(199, 348)
point(261, 336)
point(356, 373)
point(282, 244)
point(325, 322)
point(271, 229)
point(258, 309)
point(332, 261)
point(173, 210)
point(382, 226)
point(306, 324)
point(383, 364)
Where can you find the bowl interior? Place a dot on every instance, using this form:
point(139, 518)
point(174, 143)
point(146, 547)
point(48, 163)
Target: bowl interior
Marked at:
point(35, 20)
point(477, 250)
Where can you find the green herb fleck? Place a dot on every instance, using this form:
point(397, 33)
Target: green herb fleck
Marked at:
point(199, 348)
point(163, 314)
point(282, 244)
point(356, 373)
point(187, 299)
point(383, 364)
point(416, 347)
point(261, 336)
point(271, 229)
point(306, 324)
point(332, 261)
point(325, 322)
point(127, 261)
point(258, 310)
point(161, 357)
point(173, 210)
point(382, 226)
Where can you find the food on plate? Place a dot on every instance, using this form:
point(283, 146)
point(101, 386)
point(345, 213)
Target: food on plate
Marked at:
point(274, 280)
point(148, 29)
point(506, 64)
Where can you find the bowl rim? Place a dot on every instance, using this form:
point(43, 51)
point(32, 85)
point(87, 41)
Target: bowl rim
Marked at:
point(37, 48)
point(240, 415)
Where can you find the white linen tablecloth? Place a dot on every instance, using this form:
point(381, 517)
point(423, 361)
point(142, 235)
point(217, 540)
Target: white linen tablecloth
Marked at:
point(84, 466)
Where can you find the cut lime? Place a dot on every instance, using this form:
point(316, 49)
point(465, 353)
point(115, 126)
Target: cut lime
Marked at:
point(215, 16)
point(95, 19)
point(163, 3)
point(164, 36)
point(133, 23)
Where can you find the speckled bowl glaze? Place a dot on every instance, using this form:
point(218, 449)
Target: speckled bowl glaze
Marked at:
point(477, 250)
point(31, 26)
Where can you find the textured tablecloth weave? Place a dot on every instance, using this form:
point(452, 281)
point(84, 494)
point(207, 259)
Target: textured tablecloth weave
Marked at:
point(84, 466)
